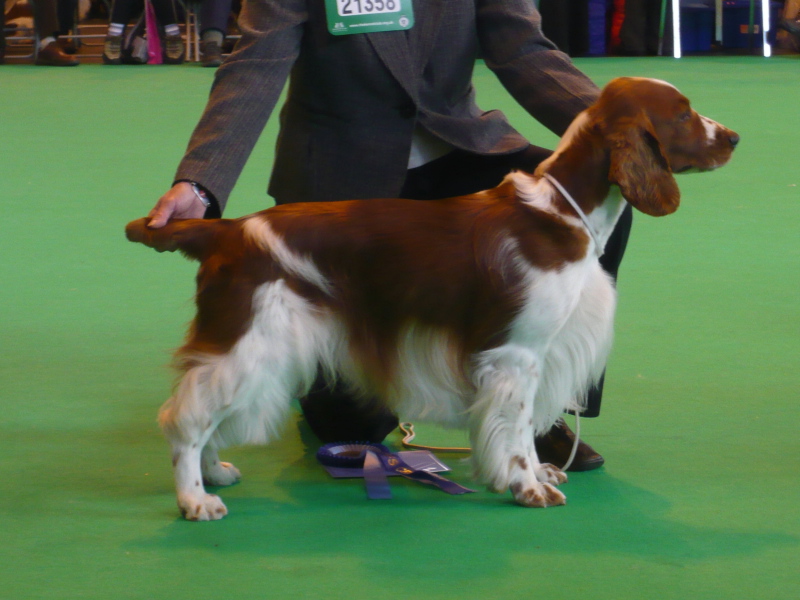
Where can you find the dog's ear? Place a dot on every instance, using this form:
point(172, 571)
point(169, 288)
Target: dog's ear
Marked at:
point(640, 168)
point(192, 237)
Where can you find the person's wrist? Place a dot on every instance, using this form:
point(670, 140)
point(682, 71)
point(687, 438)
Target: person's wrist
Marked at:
point(205, 197)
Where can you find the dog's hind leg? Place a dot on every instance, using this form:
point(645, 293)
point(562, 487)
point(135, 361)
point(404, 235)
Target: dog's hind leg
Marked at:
point(216, 472)
point(188, 438)
point(215, 406)
point(194, 502)
point(501, 421)
point(242, 396)
point(189, 419)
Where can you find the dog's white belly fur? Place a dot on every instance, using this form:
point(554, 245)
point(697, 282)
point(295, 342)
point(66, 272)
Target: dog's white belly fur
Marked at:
point(430, 383)
point(566, 324)
point(566, 327)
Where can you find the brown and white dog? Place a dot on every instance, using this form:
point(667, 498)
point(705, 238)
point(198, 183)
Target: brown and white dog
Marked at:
point(488, 310)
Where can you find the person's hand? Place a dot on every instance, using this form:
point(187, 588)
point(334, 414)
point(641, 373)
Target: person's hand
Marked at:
point(180, 202)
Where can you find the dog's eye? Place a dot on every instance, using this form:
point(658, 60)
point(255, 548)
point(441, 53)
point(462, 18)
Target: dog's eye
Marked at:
point(685, 116)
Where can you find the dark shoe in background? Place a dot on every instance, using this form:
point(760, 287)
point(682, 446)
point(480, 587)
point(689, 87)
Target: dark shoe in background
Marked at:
point(555, 446)
point(211, 53)
point(174, 50)
point(112, 50)
point(52, 56)
point(67, 47)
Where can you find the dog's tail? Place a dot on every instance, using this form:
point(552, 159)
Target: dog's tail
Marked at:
point(192, 237)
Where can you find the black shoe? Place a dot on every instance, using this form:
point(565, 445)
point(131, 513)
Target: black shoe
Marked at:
point(211, 53)
point(555, 446)
point(52, 56)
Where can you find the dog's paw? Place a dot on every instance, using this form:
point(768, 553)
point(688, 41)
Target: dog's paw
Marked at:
point(538, 495)
point(221, 473)
point(547, 473)
point(207, 507)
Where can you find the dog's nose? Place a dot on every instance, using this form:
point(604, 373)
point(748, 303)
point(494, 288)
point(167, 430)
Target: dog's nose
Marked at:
point(734, 139)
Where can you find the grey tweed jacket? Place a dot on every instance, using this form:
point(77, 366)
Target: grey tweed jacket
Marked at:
point(353, 101)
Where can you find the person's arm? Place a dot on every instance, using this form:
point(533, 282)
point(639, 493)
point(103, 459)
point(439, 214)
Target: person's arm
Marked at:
point(245, 91)
point(538, 75)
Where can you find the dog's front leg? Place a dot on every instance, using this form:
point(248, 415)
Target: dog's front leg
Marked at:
point(547, 473)
point(506, 380)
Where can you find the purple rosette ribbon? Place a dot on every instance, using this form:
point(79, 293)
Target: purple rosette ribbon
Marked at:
point(377, 462)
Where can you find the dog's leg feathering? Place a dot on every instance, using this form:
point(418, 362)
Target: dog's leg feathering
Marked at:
point(501, 428)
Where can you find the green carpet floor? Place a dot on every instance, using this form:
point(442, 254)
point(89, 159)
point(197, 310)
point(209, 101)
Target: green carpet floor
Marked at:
point(700, 496)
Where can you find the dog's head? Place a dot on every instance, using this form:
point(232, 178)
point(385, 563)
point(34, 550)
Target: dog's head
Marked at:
point(652, 132)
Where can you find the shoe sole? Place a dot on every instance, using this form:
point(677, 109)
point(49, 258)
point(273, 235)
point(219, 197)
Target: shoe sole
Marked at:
point(47, 63)
point(587, 465)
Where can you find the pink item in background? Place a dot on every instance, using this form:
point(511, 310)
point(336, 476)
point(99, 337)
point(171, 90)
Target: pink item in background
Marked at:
point(153, 37)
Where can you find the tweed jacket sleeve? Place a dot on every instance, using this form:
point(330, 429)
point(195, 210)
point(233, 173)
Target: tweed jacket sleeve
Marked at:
point(245, 91)
point(541, 78)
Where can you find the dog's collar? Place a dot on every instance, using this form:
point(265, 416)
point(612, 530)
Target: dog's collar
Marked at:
point(599, 248)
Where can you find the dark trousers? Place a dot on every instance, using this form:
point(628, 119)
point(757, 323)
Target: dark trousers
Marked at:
point(336, 417)
point(123, 10)
point(214, 14)
point(67, 10)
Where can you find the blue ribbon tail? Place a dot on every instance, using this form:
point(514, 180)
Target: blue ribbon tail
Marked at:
point(375, 479)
